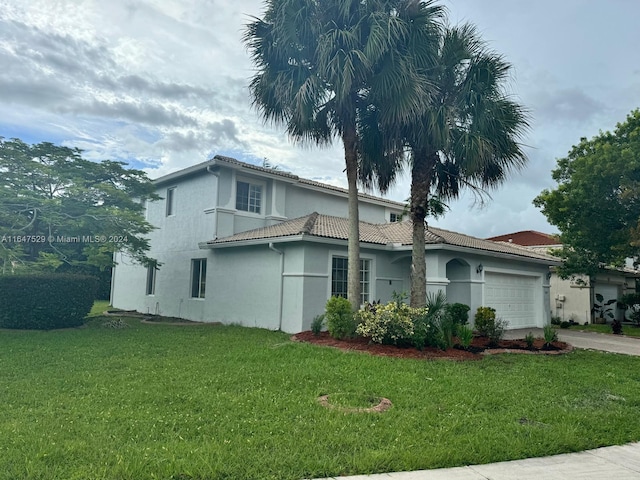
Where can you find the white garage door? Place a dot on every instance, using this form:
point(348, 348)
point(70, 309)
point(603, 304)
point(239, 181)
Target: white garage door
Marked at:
point(513, 297)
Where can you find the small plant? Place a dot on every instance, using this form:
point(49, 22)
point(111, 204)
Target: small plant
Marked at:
point(556, 320)
point(550, 335)
point(340, 319)
point(529, 339)
point(465, 336)
point(317, 323)
point(447, 329)
point(459, 313)
point(616, 327)
point(565, 324)
point(484, 320)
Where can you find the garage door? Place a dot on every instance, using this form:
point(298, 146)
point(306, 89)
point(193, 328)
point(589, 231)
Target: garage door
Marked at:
point(513, 297)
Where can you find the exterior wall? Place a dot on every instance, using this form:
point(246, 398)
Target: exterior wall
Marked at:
point(571, 300)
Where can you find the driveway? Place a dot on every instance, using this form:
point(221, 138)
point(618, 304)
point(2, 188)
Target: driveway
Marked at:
point(587, 340)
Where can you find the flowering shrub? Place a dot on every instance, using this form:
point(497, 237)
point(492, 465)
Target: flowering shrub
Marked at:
point(391, 323)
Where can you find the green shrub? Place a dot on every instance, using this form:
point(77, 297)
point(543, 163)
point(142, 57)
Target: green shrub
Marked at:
point(317, 323)
point(427, 323)
point(340, 319)
point(529, 339)
point(459, 313)
point(485, 320)
point(550, 335)
point(556, 320)
point(45, 302)
point(465, 336)
point(390, 324)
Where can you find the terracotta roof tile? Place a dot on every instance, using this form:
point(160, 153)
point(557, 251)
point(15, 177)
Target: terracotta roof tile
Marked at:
point(401, 233)
point(527, 238)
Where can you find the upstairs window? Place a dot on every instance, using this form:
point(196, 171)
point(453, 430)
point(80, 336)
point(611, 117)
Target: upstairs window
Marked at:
point(249, 197)
point(395, 217)
point(170, 199)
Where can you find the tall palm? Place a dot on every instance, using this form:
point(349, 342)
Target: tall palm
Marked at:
point(467, 137)
point(322, 63)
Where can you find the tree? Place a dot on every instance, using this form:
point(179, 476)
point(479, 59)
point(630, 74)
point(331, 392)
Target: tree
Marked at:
point(58, 210)
point(322, 65)
point(467, 136)
point(596, 205)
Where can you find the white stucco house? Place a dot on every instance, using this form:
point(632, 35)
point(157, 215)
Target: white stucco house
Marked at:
point(574, 298)
point(238, 243)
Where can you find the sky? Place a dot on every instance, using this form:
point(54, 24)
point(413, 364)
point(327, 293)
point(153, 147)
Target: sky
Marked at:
point(163, 84)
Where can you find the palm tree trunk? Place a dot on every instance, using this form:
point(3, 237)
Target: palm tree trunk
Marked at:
point(420, 186)
point(351, 160)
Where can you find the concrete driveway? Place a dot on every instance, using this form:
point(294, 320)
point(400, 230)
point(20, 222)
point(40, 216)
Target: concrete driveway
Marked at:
point(587, 340)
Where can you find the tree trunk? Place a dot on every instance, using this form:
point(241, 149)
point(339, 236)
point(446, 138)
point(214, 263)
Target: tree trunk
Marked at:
point(351, 161)
point(420, 185)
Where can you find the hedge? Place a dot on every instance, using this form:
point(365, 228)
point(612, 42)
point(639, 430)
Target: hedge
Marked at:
point(45, 302)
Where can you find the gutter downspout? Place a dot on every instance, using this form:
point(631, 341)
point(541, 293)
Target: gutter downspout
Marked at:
point(281, 253)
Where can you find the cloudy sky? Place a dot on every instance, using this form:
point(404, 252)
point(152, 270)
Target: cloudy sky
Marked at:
point(162, 84)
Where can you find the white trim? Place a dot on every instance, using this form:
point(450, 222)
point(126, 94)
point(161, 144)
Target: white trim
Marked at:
point(259, 182)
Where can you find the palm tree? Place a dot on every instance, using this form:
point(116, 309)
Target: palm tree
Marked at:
point(467, 137)
point(322, 63)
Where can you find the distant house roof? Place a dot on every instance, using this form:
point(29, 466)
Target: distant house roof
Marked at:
point(394, 236)
point(220, 160)
point(527, 238)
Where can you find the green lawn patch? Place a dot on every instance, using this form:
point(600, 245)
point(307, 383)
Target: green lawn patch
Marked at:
point(628, 330)
point(225, 402)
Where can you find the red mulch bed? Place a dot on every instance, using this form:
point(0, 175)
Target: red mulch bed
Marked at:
point(479, 347)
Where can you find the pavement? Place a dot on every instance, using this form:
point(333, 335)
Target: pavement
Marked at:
point(621, 462)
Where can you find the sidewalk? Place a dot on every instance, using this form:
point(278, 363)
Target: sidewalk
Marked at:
point(618, 462)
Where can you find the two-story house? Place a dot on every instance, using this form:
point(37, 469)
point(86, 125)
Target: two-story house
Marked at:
point(238, 243)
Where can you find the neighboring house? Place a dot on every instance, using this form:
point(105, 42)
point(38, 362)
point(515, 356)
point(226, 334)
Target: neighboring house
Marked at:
point(260, 247)
point(573, 299)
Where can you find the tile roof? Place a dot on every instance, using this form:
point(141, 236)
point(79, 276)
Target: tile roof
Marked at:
point(396, 234)
point(527, 238)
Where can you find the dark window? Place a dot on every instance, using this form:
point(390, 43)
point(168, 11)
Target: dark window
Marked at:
point(170, 201)
point(198, 277)
point(151, 279)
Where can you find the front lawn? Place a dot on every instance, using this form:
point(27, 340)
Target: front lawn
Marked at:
point(213, 402)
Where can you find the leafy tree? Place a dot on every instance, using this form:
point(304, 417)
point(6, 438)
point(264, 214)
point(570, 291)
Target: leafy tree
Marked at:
point(596, 205)
point(322, 65)
point(58, 210)
point(466, 136)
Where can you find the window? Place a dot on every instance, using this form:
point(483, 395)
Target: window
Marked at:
point(248, 197)
point(339, 272)
point(198, 277)
point(395, 217)
point(170, 199)
point(151, 279)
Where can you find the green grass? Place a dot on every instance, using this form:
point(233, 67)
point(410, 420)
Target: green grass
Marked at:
point(170, 402)
point(628, 330)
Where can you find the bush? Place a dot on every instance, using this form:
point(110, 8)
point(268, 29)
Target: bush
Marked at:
point(616, 327)
point(428, 323)
point(565, 324)
point(529, 339)
point(45, 302)
point(459, 313)
point(485, 320)
point(317, 323)
point(389, 324)
point(465, 336)
point(550, 335)
point(340, 320)
point(556, 320)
